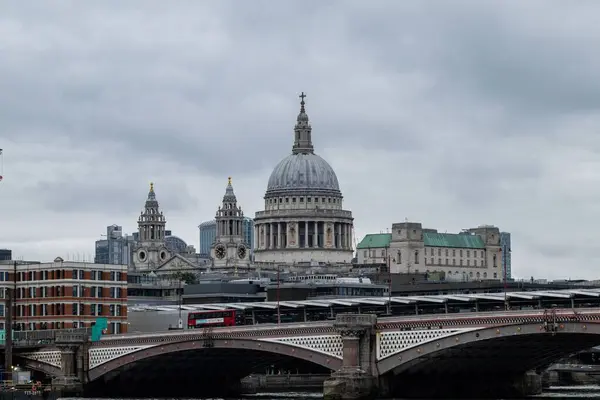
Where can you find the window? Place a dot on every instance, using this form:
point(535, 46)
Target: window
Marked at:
point(365, 255)
point(495, 261)
point(468, 253)
point(382, 253)
point(439, 252)
point(446, 252)
point(399, 257)
point(453, 252)
point(446, 261)
point(416, 256)
point(93, 309)
point(75, 308)
point(75, 274)
point(495, 275)
point(75, 291)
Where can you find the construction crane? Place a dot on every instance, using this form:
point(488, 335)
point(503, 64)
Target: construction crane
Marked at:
point(1, 165)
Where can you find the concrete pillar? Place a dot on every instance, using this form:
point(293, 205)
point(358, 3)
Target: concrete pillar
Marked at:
point(357, 379)
point(316, 234)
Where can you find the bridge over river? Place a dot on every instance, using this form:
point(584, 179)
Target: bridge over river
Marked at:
point(467, 354)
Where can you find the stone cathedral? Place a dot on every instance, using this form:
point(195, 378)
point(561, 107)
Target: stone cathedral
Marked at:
point(304, 221)
point(229, 251)
point(150, 250)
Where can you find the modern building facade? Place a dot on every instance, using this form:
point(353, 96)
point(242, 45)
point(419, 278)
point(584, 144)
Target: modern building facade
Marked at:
point(506, 254)
point(473, 254)
point(64, 294)
point(208, 233)
point(117, 248)
point(230, 250)
point(5, 255)
point(304, 222)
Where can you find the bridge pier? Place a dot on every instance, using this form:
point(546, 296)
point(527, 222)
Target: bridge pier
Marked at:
point(528, 384)
point(356, 379)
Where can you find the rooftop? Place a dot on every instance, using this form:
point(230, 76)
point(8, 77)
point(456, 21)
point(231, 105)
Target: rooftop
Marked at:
point(432, 239)
point(378, 300)
point(375, 240)
point(455, 240)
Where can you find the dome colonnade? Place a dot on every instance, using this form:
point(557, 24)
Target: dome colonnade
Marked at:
point(303, 220)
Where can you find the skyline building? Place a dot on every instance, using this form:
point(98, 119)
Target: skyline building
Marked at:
point(303, 222)
point(116, 249)
point(506, 254)
point(473, 254)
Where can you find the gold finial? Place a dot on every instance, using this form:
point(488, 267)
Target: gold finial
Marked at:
point(152, 186)
point(229, 181)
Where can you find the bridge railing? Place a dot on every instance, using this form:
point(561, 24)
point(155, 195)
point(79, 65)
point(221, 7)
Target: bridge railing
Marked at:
point(491, 314)
point(49, 336)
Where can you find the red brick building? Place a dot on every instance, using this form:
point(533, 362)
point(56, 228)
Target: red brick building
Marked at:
point(66, 294)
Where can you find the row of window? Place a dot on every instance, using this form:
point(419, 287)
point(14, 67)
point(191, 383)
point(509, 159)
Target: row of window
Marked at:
point(460, 252)
point(76, 291)
point(476, 263)
point(45, 275)
point(477, 275)
point(330, 200)
point(78, 309)
point(113, 327)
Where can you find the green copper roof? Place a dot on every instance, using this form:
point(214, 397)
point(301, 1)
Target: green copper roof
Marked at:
point(375, 240)
point(453, 240)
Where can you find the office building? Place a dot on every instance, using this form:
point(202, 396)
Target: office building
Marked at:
point(64, 294)
point(116, 248)
point(473, 254)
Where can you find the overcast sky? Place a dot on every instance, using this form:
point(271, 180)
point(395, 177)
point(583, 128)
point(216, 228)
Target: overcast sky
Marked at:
point(449, 113)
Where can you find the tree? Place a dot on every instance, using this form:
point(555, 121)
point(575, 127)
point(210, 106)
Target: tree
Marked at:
point(188, 277)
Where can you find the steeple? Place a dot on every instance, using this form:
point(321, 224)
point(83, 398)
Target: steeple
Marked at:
point(151, 223)
point(229, 215)
point(302, 138)
point(229, 195)
point(151, 195)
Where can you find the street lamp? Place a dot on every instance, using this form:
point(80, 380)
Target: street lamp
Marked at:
point(278, 288)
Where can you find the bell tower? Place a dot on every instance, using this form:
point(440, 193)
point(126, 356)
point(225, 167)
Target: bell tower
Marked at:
point(230, 250)
point(150, 251)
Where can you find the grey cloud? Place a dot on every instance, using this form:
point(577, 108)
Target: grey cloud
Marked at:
point(455, 112)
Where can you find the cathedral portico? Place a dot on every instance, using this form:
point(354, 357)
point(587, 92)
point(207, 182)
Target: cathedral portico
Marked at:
point(303, 220)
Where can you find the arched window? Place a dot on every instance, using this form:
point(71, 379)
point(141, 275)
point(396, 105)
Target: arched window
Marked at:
point(416, 256)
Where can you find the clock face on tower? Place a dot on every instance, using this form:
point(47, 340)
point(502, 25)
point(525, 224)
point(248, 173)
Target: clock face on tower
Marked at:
point(241, 251)
point(220, 251)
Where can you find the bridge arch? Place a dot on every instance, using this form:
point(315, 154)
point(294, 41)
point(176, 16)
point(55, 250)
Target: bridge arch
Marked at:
point(534, 346)
point(43, 367)
point(272, 348)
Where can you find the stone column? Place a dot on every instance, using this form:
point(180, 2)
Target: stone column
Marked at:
point(279, 235)
point(305, 233)
point(316, 235)
point(338, 235)
point(357, 379)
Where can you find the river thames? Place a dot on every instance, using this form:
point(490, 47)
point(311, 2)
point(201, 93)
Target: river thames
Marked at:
point(571, 392)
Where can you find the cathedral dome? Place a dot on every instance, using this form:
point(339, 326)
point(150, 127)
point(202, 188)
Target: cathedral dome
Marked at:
point(306, 173)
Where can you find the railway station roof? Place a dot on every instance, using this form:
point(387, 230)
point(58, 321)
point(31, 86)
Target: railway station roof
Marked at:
point(380, 301)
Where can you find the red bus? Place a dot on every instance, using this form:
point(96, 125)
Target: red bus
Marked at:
point(203, 319)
